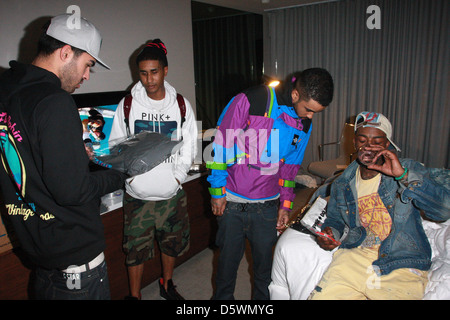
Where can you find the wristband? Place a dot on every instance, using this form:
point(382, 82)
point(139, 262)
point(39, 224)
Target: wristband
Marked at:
point(216, 165)
point(402, 176)
point(286, 183)
point(287, 204)
point(217, 191)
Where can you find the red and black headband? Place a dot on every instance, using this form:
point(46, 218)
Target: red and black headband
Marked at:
point(158, 45)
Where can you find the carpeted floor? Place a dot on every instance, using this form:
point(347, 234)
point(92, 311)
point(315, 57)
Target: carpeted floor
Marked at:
point(195, 278)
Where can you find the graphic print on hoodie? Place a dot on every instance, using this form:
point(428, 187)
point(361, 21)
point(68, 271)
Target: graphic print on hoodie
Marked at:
point(160, 123)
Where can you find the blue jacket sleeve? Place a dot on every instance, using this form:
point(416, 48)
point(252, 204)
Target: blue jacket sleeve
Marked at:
point(428, 189)
point(289, 169)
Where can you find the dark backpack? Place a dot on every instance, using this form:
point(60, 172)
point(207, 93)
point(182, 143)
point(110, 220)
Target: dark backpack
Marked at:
point(127, 108)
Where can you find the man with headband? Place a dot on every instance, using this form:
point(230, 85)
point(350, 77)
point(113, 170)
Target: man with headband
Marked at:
point(374, 211)
point(155, 203)
point(261, 138)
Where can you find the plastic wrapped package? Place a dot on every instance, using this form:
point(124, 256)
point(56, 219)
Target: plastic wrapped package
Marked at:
point(138, 154)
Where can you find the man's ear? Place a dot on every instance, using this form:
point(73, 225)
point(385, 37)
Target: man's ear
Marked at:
point(66, 53)
point(295, 96)
point(388, 143)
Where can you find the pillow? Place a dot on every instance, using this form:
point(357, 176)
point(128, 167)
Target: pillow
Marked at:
point(438, 287)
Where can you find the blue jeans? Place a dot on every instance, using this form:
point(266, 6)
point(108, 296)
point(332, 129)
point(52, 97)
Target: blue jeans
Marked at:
point(257, 223)
point(89, 285)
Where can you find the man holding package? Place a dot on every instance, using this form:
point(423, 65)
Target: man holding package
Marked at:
point(51, 197)
point(155, 203)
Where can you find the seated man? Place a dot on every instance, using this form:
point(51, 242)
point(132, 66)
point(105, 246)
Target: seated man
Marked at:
point(298, 262)
point(377, 199)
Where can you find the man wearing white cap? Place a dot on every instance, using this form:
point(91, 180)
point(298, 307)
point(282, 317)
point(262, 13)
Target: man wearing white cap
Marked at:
point(50, 195)
point(374, 213)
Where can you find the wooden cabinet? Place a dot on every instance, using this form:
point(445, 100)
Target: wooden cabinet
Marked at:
point(16, 276)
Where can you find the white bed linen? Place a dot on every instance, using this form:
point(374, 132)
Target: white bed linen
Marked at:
point(438, 287)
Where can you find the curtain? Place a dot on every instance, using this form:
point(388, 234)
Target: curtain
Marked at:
point(400, 70)
point(227, 59)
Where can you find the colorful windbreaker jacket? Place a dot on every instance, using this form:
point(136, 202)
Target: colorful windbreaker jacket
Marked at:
point(258, 147)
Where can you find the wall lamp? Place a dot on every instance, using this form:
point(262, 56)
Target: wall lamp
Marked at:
point(271, 82)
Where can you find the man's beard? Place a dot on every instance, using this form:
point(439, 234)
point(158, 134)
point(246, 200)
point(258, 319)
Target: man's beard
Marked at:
point(69, 78)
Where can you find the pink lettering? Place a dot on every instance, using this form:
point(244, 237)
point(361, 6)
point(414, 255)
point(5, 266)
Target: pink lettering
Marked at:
point(5, 118)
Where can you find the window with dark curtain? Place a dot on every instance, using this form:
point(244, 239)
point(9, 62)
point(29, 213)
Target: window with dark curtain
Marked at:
point(400, 69)
point(228, 57)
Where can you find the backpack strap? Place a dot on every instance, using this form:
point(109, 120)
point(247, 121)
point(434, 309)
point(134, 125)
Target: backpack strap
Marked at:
point(270, 101)
point(182, 107)
point(127, 109)
point(261, 100)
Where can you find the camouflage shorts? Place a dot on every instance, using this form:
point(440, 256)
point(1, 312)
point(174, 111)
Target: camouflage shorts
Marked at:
point(165, 220)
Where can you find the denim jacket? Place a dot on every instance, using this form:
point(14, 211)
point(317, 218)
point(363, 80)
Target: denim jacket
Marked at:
point(407, 245)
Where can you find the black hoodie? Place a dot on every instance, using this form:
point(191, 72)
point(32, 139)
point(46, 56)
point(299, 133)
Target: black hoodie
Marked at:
point(54, 203)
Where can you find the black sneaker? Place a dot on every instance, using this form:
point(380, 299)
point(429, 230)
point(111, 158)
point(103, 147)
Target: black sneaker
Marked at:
point(171, 293)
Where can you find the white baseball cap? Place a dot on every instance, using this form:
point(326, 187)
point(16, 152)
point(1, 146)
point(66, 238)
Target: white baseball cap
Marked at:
point(375, 120)
point(84, 36)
